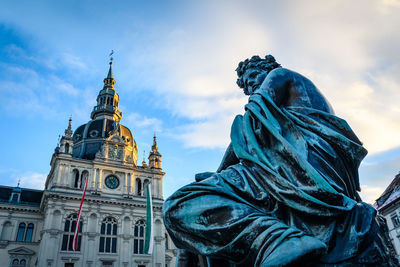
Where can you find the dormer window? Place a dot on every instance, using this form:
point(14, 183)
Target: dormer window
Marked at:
point(15, 197)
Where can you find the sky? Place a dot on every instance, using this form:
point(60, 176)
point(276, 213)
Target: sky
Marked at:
point(174, 66)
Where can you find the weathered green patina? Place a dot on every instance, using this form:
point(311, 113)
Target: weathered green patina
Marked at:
point(286, 190)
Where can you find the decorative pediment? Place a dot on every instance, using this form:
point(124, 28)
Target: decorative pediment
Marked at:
point(21, 251)
point(115, 138)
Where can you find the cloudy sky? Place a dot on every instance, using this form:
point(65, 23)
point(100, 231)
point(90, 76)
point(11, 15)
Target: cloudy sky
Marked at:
point(174, 67)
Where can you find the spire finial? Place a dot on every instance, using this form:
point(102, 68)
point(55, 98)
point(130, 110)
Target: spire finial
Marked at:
point(144, 164)
point(70, 122)
point(110, 74)
point(111, 58)
point(68, 131)
point(19, 181)
point(154, 148)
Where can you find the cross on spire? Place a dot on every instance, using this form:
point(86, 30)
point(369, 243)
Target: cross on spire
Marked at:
point(111, 58)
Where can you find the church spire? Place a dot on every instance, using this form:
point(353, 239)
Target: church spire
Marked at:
point(110, 74)
point(108, 99)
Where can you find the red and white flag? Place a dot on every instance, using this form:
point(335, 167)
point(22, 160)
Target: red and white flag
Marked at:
point(75, 241)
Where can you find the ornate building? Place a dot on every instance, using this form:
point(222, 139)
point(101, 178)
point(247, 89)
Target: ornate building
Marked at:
point(388, 205)
point(37, 226)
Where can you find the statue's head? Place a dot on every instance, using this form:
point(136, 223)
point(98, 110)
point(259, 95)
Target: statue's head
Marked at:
point(252, 72)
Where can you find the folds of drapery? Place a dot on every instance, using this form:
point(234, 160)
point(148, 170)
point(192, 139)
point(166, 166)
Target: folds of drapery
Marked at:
point(297, 165)
point(310, 157)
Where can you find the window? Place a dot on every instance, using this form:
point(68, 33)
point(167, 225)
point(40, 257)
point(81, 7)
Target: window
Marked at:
point(25, 233)
point(138, 241)
point(69, 230)
point(66, 148)
point(76, 178)
point(138, 187)
point(7, 231)
point(166, 242)
point(18, 263)
point(395, 220)
point(15, 197)
point(68, 264)
point(29, 233)
point(108, 236)
point(83, 177)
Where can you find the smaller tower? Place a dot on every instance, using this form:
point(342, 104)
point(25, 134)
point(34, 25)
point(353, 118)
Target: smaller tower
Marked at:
point(154, 155)
point(66, 142)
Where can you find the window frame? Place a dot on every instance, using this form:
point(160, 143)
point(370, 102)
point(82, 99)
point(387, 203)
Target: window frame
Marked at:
point(69, 231)
point(108, 235)
point(139, 234)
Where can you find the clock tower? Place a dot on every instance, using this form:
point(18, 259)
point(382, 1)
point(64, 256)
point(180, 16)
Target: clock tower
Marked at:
point(106, 151)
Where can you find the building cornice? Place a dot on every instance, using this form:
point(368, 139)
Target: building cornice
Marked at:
point(99, 199)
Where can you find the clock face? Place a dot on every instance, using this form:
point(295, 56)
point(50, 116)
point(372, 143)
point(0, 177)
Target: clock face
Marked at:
point(111, 182)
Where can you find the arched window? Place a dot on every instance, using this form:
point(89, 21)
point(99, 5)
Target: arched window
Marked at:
point(21, 232)
point(25, 233)
point(83, 177)
point(29, 233)
point(166, 242)
point(7, 231)
point(22, 262)
point(66, 148)
point(108, 236)
point(76, 178)
point(138, 241)
point(138, 187)
point(69, 230)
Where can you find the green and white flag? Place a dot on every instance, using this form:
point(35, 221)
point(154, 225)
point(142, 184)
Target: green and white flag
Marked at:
point(148, 242)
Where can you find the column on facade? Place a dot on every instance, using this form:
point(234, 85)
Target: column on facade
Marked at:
point(100, 179)
point(94, 179)
point(126, 184)
point(89, 248)
point(58, 173)
point(48, 249)
point(132, 184)
point(158, 256)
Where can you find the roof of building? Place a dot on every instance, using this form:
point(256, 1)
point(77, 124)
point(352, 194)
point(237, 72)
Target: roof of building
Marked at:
point(390, 195)
point(31, 197)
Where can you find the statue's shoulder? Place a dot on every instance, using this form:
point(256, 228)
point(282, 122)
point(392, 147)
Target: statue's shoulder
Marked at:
point(283, 73)
point(278, 77)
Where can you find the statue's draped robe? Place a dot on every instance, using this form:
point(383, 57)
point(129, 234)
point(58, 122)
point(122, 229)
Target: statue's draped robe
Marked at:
point(297, 176)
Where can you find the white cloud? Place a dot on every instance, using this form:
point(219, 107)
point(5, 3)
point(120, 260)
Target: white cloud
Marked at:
point(27, 179)
point(139, 121)
point(33, 180)
point(73, 62)
point(369, 193)
point(212, 133)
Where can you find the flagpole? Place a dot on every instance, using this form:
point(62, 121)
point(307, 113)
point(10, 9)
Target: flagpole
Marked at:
point(75, 240)
point(149, 238)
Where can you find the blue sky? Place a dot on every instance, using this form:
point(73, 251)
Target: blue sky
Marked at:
point(174, 68)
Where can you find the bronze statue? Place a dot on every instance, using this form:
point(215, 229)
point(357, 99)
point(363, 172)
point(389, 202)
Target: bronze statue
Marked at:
point(286, 190)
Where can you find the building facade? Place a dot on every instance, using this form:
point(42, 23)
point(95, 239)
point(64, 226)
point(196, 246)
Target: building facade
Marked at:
point(37, 227)
point(388, 205)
